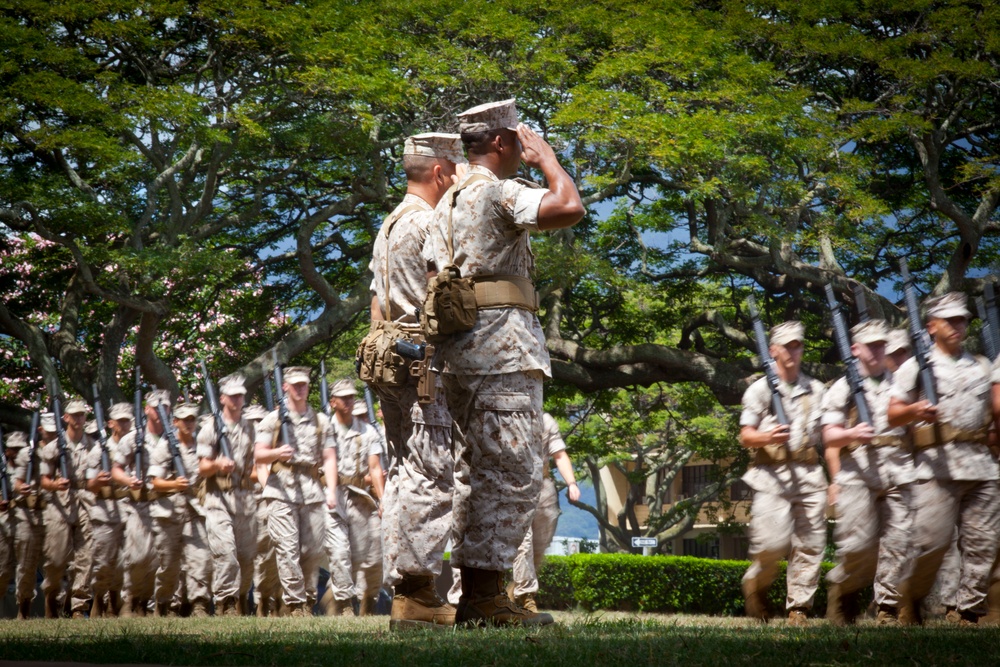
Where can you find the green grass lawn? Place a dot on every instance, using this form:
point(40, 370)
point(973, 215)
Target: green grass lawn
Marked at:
point(604, 639)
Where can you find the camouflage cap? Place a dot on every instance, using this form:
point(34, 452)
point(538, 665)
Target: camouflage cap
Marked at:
point(233, 384)
point(158, 397)
point(899, 339)
point(489, 116)
point(952, 304)
point(343, 388)
point(296, 374)
point(121, 411)
point(90, 428)
point(360, 409)
point(185, 410)
point(17, 440)
point(786, 332)
point(48, 422)
point(872, 331)
point(76, 406)
point(254, 412)
point(435, 144)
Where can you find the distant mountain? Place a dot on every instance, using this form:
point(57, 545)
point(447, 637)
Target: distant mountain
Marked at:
point(575, 522)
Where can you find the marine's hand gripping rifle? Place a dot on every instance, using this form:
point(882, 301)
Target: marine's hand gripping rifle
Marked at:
point(767, 361)
point(921, 341)
point(850, 361)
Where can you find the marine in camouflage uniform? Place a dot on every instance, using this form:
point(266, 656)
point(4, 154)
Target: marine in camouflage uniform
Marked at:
point(67, 521)
point(789, 504)
point(29, 524)
point(871, 489)
point(531, 553)
point(140, 559)
point(493, 373)
point(107, 520)
point(230, 506)
point(354, 528)
point(179, 518)
point(956, 472)
point(296, 518)
point(8, 564)
point(416, 508)
point(266, 586)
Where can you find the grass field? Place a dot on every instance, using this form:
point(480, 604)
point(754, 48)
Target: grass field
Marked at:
point(607, 640)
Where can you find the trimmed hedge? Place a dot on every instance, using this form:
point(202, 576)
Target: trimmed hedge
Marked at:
point(664, 584)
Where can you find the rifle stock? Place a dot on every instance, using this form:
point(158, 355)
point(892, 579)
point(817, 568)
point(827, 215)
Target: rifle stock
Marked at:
point(850, 361)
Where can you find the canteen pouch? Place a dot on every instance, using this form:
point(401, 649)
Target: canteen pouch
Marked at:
point(450, 305)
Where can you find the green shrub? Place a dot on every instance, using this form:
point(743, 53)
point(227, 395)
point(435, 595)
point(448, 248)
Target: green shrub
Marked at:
point(665, 584)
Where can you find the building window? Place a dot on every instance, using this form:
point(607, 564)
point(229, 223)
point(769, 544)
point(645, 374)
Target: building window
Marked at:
point(740, 491)
point(701, 548)
point(694, 479)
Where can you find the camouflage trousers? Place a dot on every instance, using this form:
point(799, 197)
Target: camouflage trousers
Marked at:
point(139, 557)
point(794, 522)
point(107, 570)
point(297, 533)
point(182, 546)
point(872, 534)
point(416, 506)
point(945, 588)
point(265, 565)
point(531, 553)
point(497, 435)
point(354, 544)
point(973, 506)
point(29, 540)
point(232, 537)
point(8, 564)
point(67, 546)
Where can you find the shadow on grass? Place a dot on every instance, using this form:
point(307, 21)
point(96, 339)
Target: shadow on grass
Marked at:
point(627, 642)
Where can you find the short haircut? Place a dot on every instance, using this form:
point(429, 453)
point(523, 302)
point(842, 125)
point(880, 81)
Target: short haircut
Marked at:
point(478, 143)
point(419, 168)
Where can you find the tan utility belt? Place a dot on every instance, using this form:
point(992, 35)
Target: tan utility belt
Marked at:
point(302, 468)
point(143, 495)
point(505, 291)
point(780, 455)
point(353, 480)
point(32, 501)
point(932, 435)
point(877, 441)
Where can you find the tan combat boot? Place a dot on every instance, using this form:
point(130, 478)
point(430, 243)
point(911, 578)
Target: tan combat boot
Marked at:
point(484, 602)
point(199, 610)
point(888, 616)
point(416, 605)
point(52, 605)
point(296, 611)
point(797, 618)
point(366, 605)
point(527, 601)
point(263, 607)
point(24, 610)
point(97, 607)
point(161, 610)
point(756, 606)
point(114, 604)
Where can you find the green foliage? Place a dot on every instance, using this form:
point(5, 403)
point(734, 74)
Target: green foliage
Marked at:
point(665, 584)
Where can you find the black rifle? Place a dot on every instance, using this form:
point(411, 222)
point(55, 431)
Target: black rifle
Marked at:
point(140, 431)
point(268, 393)
point(36, 420)
point(220, 425)
point(4, 476)
point(61, 438)
point(283, 417)
point(861, 303)
point(850, 361)
point(185, 389)
point(767, 361)
point(986, 332)
point(324, 389)
point(172, 443)
point(102, 432)
point(921, 341)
